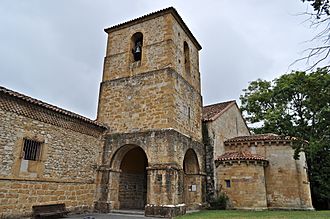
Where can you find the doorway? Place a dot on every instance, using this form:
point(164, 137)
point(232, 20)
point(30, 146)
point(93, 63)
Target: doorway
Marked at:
point(133, 179)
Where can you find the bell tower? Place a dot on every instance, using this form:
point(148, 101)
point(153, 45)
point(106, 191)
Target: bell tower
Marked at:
point(150, 98)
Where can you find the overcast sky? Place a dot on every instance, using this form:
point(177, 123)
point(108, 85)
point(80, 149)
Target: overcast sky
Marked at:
point(54, 50)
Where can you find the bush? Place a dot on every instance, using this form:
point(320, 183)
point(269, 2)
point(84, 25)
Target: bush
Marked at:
point(219, 203)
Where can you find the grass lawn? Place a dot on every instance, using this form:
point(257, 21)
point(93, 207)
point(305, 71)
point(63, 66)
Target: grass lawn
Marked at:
point(211, 214)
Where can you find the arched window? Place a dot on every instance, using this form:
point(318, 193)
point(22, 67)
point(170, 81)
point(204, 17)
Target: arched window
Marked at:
point(186, 58)
point(137, 42)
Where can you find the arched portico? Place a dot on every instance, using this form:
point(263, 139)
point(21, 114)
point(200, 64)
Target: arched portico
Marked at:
point(128, 178)
point(163, 154)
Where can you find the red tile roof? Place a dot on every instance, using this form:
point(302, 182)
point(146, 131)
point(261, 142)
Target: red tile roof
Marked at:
point(241, 155)
point(212, 112)
point(261, 137)
point(4, 91)
point(153, 15)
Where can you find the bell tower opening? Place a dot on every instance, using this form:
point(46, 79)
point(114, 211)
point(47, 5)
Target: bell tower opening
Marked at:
point(186, 58)
point(137, 42)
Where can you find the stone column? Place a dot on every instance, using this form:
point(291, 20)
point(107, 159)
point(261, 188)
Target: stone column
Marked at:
point(164, 198)
point(113, 188)
point(101, 203)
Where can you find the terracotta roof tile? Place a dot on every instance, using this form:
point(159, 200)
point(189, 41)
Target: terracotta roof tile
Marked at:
point(261, 137)
point(155, 14)
point(241, 155)
point(17, 109)
point(212, 112)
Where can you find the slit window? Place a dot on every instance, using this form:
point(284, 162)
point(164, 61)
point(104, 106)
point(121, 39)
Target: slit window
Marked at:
point(186, 58)
point(227, 181)
point(31, 149)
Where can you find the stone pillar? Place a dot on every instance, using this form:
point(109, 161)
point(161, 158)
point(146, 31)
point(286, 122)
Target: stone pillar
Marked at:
point(113, 187)
point(107, 190)
point(101, 203)
point(165, 188)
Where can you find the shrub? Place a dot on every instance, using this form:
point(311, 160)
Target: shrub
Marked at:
point(219, 203)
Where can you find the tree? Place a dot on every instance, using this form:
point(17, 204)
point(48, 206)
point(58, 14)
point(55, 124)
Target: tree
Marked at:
point(320, 20)
point(296, 104)
point(321, 7)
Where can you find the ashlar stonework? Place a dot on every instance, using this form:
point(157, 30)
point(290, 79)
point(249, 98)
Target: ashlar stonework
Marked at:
point(153, 145)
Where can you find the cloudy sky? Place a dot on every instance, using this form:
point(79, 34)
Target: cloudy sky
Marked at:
point(54, 50)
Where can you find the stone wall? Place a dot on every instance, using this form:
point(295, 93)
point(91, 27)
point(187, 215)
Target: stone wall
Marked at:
point(178, 39)
point(132, 191)
point(64, 173)
point(286, 179)
point(247, 184)
point(138, 103)
point(187, 109)
point(151, 101)
point(230, 124)
point(17, 196)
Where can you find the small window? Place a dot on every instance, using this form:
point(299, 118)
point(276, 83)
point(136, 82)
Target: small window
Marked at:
point(159, 177)
point(137, 42)
point(31, 150)
point(189, 113)
point(227, 181)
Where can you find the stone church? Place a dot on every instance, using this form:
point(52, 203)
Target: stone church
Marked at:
point(153, 145)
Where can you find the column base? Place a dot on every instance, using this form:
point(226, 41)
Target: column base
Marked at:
point(102, 207)
point(167, 211)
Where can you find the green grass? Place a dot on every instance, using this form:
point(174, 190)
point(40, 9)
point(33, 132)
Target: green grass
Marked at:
point(212, 214)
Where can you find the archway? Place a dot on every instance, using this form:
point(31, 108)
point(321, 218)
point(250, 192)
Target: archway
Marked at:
point(192, 179)
point(133, 179)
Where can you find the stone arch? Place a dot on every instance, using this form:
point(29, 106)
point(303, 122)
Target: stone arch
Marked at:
point(192, 179)
point(129, 181)
point(190, 162)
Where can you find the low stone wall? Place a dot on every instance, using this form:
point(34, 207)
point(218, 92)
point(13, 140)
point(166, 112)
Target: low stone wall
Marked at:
point(18, 196)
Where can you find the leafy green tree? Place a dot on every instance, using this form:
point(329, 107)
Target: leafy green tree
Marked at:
point(296, 104)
